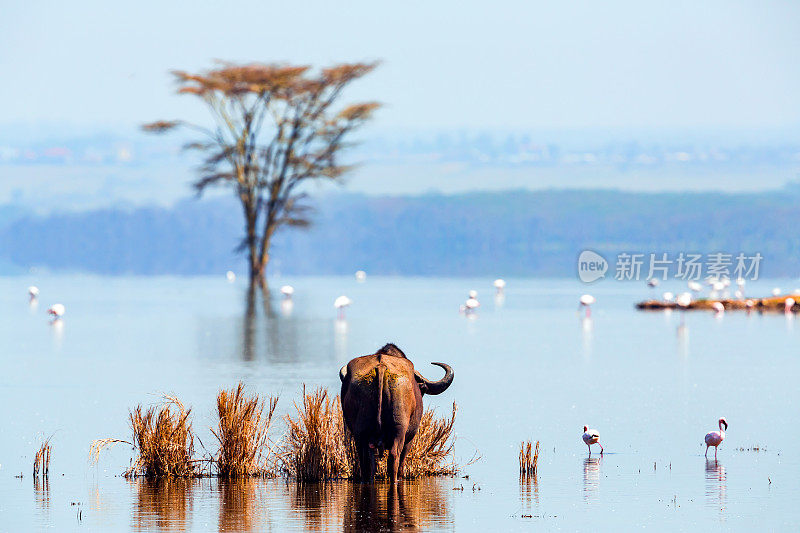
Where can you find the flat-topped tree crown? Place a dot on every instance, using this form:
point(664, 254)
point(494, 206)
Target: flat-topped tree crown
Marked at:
point(274, 127)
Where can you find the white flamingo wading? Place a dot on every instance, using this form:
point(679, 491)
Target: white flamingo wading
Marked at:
point(287, 291)
point(591, 436)
point(586, 302)
point(56, 311)
point(715, 438)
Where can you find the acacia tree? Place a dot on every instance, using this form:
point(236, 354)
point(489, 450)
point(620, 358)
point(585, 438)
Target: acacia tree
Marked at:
point(275, 127)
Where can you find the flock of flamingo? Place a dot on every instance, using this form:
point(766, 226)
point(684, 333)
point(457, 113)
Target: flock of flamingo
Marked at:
point(56, 311)
point(471, 305)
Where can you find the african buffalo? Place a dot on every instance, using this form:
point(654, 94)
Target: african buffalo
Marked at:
point(382, 405)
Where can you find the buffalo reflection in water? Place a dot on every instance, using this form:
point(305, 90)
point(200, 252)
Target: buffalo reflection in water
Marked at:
point(405, 506)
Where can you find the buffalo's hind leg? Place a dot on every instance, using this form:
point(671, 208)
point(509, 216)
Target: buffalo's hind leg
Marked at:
point(366, 459)
point(401, 471)
point(397, 455)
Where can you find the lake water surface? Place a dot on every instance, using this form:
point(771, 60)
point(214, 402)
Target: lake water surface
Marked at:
point(527, 367)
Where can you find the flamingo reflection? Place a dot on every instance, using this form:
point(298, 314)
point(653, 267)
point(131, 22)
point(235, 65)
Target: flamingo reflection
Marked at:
point(591, 477)
point(716, 485)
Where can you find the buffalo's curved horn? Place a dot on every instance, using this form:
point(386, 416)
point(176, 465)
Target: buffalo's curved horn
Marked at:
point(435, 387)
point(343, 372)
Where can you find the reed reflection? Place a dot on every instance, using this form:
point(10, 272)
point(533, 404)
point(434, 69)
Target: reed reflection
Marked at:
point(406, 506)
point(591, 478)
point(529, 494)
point(41, 490)
point(716, 485)
point(164, 504)
point(242, 505)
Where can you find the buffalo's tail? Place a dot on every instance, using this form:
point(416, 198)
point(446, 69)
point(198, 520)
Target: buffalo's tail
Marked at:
point(381, 372)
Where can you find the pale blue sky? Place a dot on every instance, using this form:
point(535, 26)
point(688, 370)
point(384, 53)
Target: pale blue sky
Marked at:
point(464, 64)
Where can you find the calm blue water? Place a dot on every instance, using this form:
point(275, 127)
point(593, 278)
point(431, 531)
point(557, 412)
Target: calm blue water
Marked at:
point(528, 367)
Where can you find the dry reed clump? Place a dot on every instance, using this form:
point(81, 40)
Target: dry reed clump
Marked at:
point(528, 462)
point(243, 433)
point(315, 446)
point(163, 438)
point(319, 447)
point(41, 463)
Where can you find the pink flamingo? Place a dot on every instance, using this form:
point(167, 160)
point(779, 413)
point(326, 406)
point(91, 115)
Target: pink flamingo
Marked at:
point(586, 301)
point(591, 436)
point(715, 438)
point(788, 305)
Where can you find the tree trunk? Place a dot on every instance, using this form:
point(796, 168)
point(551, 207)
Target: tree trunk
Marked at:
point(257, 264)
point(258, 272)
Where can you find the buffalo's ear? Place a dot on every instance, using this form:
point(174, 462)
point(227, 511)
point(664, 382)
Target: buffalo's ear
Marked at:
point(423, 386)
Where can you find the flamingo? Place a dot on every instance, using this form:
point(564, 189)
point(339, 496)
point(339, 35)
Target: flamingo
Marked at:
point(340, 303)
point(776, 291)
point(668, 296)
point(33, 292)
point(695, 287)
point(361, 276)
point(586, 301)
point(231, 276)
point(715, 438)
point(717, 287)
point(749, 304)
point(499, 285)
point(683, 300)
point(718, 307)
point(591, 436)
point(56, 311)
point(472, 303)
point(287, 291)
point(788, 304)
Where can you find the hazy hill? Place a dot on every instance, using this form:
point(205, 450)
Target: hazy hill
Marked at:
point(508, 233)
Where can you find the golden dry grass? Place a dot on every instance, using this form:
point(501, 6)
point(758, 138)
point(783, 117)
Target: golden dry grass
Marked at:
point(315, 445)
point(41, 463)
point(528, 460)
point(163, 439)
point(319, 447)
point(243, 433)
